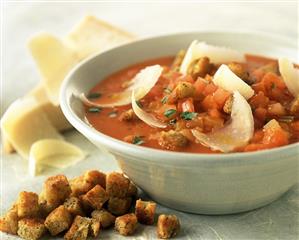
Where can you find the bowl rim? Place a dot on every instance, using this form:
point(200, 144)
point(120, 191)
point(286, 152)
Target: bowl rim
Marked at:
point(157, 154)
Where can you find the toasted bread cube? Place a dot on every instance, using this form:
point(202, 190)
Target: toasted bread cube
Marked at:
point(94, 227)
point(126, 224)
point(96, 197)
point(132, 191)
point(9, 222)
point(168, 226)
point(145, 211)
point(56, 190)
point(84, 183)
point(95, 177)
point(79, 229)
point(28, 205)
point(58, 220)
point(117, 185)
point(31, 228)
point(105, 218)
point(73, 205)
point(119, 206)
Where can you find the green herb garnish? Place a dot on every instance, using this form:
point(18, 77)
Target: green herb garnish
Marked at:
point(94, 95)
point(137, 140)
point(164, 99)
point(169, 113)
point(167, 90)
point(188, 115)
point(94, 109)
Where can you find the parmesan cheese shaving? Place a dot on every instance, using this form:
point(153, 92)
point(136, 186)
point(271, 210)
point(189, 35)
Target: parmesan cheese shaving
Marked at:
point(229, 81)
point(24, 123)
point(290, 75)
point(144, 81)
point(53, 153)
point(145, 116)
point(216, 55)
point(235, 134)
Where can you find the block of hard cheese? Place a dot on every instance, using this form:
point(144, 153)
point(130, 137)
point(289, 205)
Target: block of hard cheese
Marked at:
point(92, 35)
point(24, 123)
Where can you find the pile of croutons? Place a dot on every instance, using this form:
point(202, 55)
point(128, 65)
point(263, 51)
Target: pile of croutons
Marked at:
point(82, 207)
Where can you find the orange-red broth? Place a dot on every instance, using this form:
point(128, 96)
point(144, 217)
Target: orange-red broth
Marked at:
point(107, 120)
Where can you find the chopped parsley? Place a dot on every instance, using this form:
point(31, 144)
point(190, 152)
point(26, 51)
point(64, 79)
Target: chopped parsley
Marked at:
point(137, 140)
point(164, 99)
point(188, 115)
point(94, 95)
point(169, 113)
point(94, 109)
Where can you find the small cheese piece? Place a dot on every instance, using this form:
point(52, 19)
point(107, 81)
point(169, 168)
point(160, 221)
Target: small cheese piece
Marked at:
point(216, 55)
point(53, 153)
point(92, 35)
point(142, 83)
point(229, 81)
point(235, 134)
point(54, 60)
point(24, 123)
point(290, 75)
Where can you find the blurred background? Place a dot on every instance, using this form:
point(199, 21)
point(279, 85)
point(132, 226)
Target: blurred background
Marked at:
point(23, 19)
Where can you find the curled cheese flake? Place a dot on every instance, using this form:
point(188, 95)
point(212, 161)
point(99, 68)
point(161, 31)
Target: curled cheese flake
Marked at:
point(229, 81)
point(290, 75)
point(235, 134)
point(216, 54)
point(53, 153)
point(145, 80)
point(145, 116)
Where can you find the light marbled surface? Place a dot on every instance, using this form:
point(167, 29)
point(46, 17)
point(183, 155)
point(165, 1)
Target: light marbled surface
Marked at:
point(279, 220)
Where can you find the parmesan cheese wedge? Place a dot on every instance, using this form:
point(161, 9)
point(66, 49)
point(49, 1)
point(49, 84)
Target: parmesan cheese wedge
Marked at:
point(229, 81)
point(290, 75)
point(54, 153)
point(92, 35)
point(235, 134)
point(146, 117)
point(24, 123)
point(216, 55)
point(144, 81)
point(54, 60)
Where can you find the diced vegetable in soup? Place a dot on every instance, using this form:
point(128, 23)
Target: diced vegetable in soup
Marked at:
point(200, 101)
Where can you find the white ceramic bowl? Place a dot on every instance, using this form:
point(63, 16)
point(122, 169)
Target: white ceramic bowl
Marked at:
point(197, 183)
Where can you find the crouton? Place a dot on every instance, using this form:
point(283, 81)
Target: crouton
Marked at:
point(58, 220)
point(117, 185)
point(239, 70)
point(132, 191)
point(31, 228)
point(56, 190)
point(79, 229)
point(105, 218)
point(168, 226)
point(183, 90)
point(227, 108)
point(127, 116)
point(96, 197)
point(145, 211)
point(84, 183)
point(28, 205)
point(172, 140)
point(73, 205)
point(9, 222)
point(200, 67)
point(94, 227)
point(126, 224)
point(119, 206)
